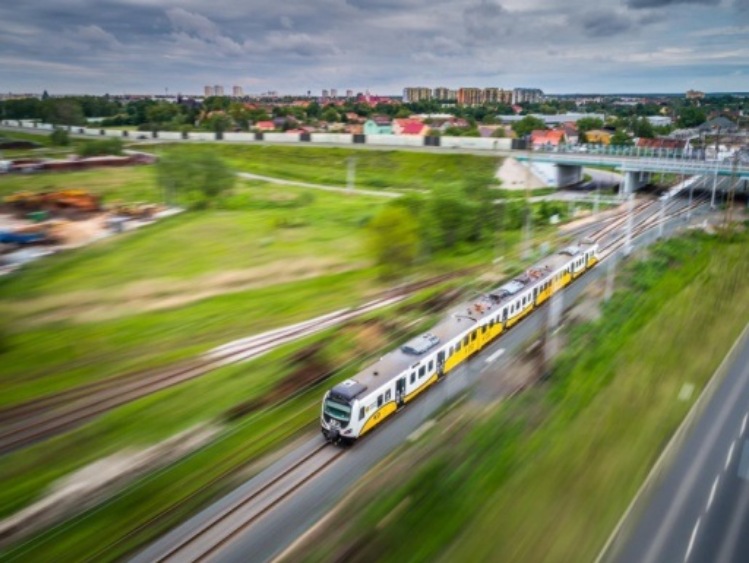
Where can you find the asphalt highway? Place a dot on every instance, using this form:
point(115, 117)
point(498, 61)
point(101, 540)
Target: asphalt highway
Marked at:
point(699, 510)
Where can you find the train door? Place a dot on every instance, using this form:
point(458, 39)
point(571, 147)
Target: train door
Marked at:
point(400, 391)
point(440, 363)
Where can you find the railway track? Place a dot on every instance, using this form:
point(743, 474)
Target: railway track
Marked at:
point(48, 416)
point(205, 541)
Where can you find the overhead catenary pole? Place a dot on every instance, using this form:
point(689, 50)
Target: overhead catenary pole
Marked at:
point(628, 232)
point(661, 216)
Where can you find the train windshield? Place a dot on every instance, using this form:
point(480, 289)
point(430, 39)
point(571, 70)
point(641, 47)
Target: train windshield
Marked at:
point(337, 410)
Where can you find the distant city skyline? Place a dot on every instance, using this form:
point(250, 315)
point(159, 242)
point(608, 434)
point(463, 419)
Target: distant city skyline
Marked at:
point(119, 46)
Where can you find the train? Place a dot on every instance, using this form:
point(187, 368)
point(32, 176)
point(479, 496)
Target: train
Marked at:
point(356, 406)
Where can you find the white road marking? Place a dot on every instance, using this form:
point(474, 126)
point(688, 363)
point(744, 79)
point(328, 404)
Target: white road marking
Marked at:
point(743, 424)
point(730, 454)
point(495, 355)
point(691, 540)
point(712, 492)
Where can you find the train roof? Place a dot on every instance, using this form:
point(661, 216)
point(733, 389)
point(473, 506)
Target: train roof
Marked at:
point(459, 319)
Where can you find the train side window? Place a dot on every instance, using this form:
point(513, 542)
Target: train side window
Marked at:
point(387, 395)
point(473, 335)
point(361, 413)
point(504, 313)
point(431, 365)
point(422, 371)
point(465, 341)
point(413, 376)
point(379, 400)
point(452, 350)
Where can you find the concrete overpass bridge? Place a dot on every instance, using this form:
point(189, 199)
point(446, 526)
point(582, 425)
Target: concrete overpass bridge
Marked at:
point(637, 168)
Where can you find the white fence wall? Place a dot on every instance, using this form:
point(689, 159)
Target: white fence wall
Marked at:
point(281, 137)
point(239, 137)
point(474, 143)
point(395, 141)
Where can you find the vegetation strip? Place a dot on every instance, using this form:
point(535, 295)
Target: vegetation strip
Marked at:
point(546, 475)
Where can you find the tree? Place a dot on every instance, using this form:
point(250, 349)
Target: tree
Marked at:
point(63, 111)
point(198, 179)
point(691, 116)
point(330, 115)
point(643, 128)
point(588, 123)
point(527, 125)
point(403, 113)
point(59, 137)
point(499, 133)
point(393, 240)
point(620, 139)
point(162, 112)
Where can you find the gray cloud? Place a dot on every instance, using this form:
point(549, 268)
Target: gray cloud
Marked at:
point(486, 20)
point(637, 4)
point(605, 23)
point(381, 45)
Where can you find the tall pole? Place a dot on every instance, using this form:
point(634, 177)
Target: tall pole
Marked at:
point(715, 185)
point(661, 217)
point(689, 207)
point(598, 195)
point(628, 233)
point(610, 276)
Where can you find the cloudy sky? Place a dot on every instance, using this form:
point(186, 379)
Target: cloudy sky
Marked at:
point(118, 46)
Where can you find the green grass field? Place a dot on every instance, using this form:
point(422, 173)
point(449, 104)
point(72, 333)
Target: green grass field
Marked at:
point(546, 475)
point(26, 473)
point(387, 169)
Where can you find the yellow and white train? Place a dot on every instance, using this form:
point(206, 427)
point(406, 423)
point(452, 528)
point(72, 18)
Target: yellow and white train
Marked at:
point(356, 406)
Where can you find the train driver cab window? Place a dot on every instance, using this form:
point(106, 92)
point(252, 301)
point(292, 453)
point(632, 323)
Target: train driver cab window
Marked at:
point(387, 395)
point(361, 413)
point(379, 400)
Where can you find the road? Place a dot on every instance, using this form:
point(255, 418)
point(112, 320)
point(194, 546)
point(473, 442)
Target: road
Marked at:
point(699, 509)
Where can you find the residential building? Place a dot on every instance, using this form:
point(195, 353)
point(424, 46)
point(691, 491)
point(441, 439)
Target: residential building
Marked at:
point(531, 95)
point(598, 137)
point(378, 125)
point(333, 93)
point(218, 90)
point(237, 91)
point(720, 123)
point(208, 91)
point(469, 97)
point(416, 94)
point(695, 95)
point(490, 95)
point(544, 138)
point(265, 126)
point(349, 93)
point(409, 126)
point(442, 94)
point(325, 94)
point(662, 143)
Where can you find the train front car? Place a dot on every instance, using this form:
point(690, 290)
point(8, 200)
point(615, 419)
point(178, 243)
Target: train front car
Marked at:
point(338, 407)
